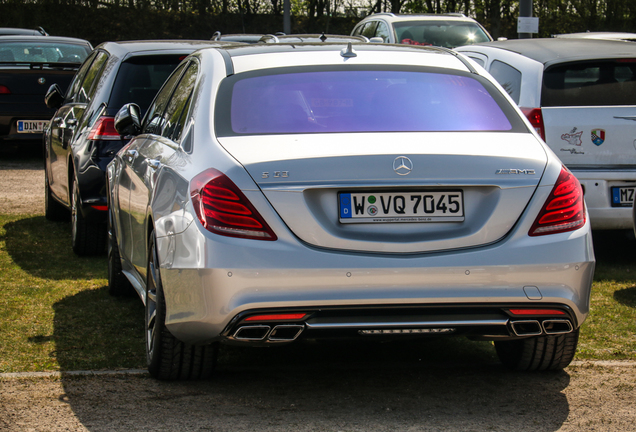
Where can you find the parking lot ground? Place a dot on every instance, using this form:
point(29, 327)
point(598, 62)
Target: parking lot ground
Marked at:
point(339, 396)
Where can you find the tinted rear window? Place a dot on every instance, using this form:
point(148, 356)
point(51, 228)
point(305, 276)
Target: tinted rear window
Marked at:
point(599, 83)
point(449, 34)
point(140, 78)
point(357, 101)
point(42, 52)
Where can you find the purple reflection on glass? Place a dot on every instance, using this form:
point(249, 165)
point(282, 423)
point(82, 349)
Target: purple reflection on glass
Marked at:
point(363, 101)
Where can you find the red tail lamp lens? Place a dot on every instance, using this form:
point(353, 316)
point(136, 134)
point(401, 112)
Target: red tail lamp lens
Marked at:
point(277, 317)
point(536, 312)
point(4, 89)
point(564, 209)
point(536, 120)
point(104, 129)
point(223, 209)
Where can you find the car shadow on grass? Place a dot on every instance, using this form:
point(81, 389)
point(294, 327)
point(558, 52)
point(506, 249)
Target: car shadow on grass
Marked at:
point(43, 249)
point(626, 296)
point(95, 331)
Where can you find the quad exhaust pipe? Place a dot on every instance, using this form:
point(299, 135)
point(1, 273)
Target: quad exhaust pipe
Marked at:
point(265, 333)
point(536, 328)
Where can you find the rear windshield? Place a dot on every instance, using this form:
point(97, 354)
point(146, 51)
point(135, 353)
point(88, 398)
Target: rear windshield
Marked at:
point(357, 101)
point(598, 83)
point(449, 34)
point(140, 78)
point(42, 52)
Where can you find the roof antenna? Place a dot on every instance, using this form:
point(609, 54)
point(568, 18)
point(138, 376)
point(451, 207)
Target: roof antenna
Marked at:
point(348, 52)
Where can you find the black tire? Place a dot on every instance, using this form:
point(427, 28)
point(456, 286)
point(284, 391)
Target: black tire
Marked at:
point(118, 283)
point(538, 353)
point(169, 358)
point(53, 210)
point(87, 238)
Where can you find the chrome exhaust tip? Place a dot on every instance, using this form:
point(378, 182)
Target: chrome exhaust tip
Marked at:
point(251, 333)
point(557, 326)
point(286, 332)
point(527, 328)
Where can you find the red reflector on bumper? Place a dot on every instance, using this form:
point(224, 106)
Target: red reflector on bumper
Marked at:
point(536, 312)
point(100, 207)
point(277, 317)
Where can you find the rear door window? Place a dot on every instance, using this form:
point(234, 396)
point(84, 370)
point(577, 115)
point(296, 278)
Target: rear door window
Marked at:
point(508, 77)
point(87, 88)
point(596, 83)
point(369, 29)
point(154, 120)
point(179, 104)
point(383, 31)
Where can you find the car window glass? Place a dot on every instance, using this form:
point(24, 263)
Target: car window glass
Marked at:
point(79, 77)
point(179, 104)
point(382, 31)
point(154, 120)
point(595, 83)
point(480, 61)
point(38, 51)
point(449, 34)
point(86, 90)
point(362, 101)
point(139, 79)
point(369, 29)
point(508, 77)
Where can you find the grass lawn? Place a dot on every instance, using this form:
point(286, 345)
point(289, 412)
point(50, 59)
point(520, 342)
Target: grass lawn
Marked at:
point(56, 314)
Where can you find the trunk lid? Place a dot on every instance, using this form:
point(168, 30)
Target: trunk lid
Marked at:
point(491, 177)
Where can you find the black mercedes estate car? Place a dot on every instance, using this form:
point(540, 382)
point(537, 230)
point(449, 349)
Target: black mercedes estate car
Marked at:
point(81, 138)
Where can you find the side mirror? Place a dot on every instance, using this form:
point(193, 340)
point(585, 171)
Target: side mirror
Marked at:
point(127, 121)
point(54, 97)
point(376, 39)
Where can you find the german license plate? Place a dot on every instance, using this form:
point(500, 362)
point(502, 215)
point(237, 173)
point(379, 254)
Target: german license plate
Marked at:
point(623, 196)
point(32, 126)
point(401, 207)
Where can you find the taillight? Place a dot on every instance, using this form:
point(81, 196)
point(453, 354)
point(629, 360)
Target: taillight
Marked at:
point(223, 209)
point(4, 89)
point(104, 129)
point(536, 120)
point(564, 210)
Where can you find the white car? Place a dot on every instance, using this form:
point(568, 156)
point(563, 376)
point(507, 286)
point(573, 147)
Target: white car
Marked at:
point(276, 193)
point(580, 96)
point(445, 30)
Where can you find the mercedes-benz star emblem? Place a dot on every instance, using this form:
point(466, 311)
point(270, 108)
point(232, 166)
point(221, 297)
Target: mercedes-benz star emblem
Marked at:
point(41, 80)
point(402, 165)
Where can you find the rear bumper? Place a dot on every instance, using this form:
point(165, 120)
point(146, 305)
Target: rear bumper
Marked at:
point(598, 198)
point(220, 280)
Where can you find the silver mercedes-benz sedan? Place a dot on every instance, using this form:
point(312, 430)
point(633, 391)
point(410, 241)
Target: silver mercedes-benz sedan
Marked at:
point(284, 192)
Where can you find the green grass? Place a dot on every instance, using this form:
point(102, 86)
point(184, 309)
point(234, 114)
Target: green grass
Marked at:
point(55, 311)
point(56, 314)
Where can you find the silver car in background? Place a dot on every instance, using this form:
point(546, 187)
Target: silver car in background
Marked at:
point(281, 192)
